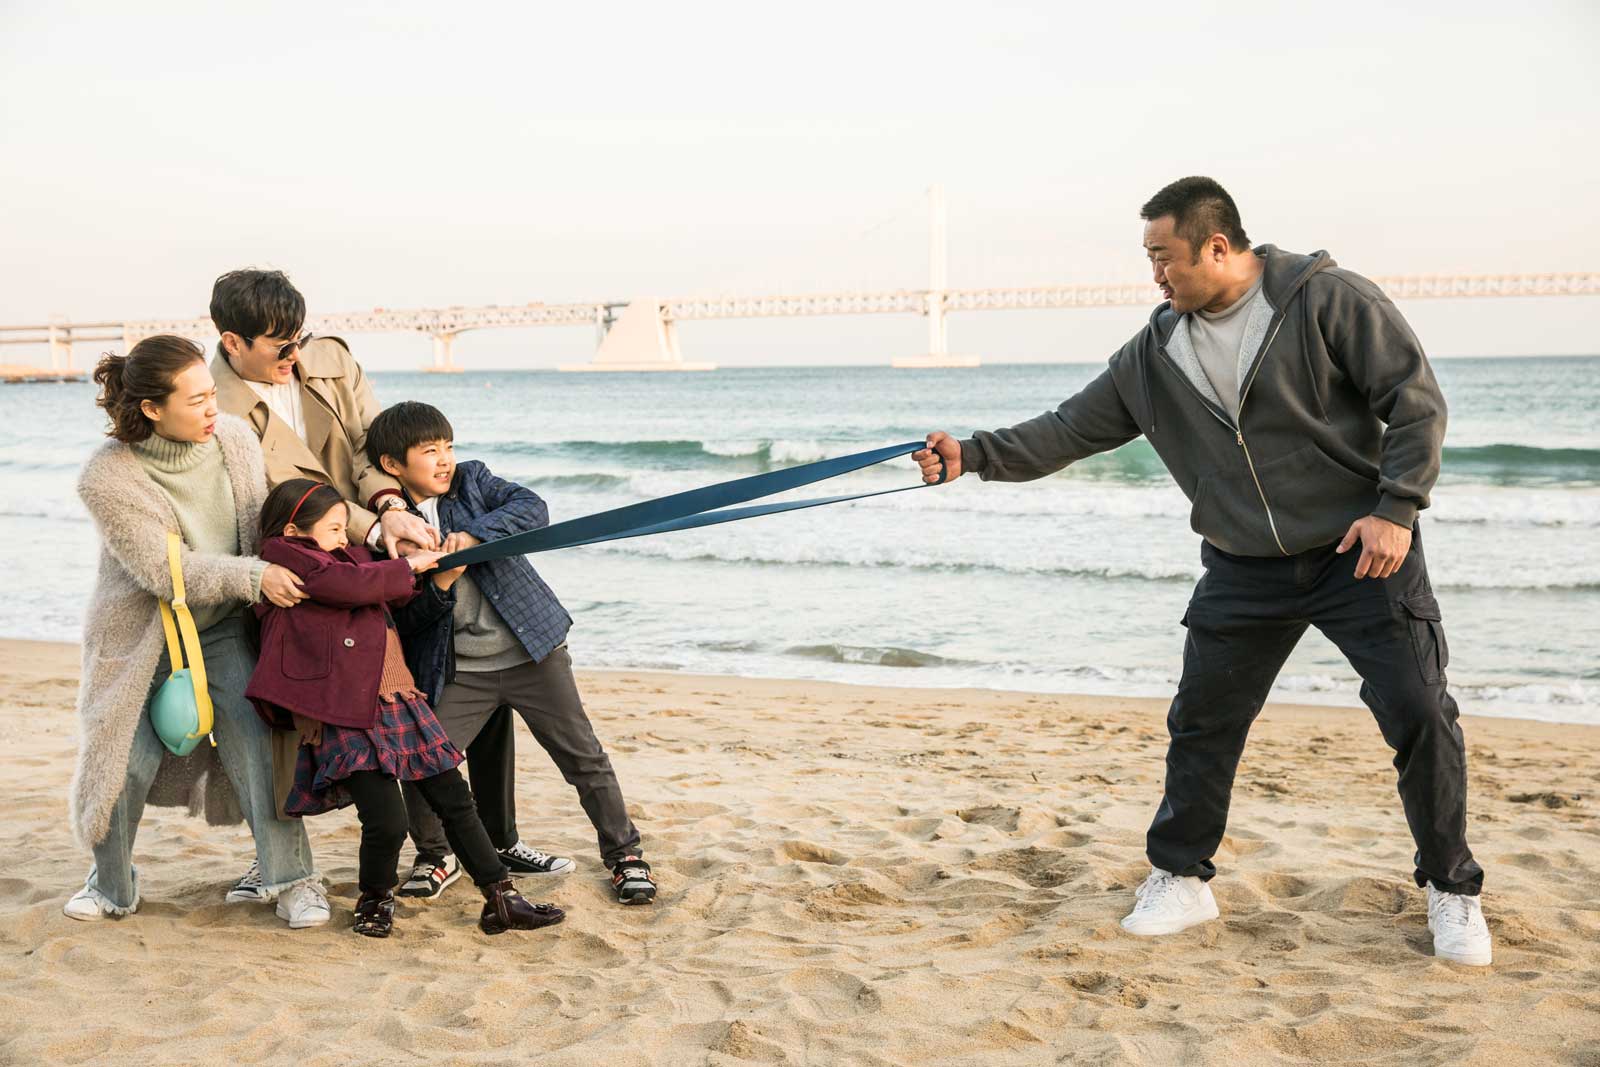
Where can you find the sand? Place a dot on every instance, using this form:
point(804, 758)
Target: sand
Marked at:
point(849, 875)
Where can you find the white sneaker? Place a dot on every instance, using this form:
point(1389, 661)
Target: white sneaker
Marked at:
point(1167, 903)
point(1459, 933)
point(90, 905)
point(304, 904)
point(248, 889)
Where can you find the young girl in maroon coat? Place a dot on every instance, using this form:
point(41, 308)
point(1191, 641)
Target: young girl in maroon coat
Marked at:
point(333, 665)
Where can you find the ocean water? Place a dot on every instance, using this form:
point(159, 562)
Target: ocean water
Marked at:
point(1073, 583)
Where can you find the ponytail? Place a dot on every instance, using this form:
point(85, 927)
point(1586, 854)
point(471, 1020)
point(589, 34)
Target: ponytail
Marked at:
point(145, 373)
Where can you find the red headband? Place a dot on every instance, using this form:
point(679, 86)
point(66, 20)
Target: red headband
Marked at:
point(302, 500)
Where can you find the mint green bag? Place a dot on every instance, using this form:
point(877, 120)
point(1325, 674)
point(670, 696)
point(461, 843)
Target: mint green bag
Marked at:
point(181, 709)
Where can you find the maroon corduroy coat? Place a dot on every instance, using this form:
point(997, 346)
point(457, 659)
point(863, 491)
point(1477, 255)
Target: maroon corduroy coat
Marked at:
point(323, 658)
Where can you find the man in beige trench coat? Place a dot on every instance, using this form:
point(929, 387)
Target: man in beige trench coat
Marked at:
point(310, 404)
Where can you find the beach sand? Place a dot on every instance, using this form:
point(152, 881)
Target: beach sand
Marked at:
point(849, 875)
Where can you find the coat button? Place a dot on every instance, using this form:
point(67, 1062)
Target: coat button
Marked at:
point(349, 642)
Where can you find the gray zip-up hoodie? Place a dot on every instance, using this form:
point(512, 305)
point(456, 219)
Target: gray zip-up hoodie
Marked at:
point(1341, 417)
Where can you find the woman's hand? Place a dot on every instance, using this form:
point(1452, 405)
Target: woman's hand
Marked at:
point(310, 730)
point(445, 579)
point(423, 561)
point(281, 586)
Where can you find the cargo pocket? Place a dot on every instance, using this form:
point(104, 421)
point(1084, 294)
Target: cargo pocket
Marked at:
point(1427, 636)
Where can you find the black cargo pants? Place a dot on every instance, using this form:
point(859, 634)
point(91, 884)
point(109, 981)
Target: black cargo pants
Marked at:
point(1244, 619)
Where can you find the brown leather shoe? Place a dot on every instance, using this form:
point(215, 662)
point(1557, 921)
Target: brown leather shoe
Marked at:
point(505, 909)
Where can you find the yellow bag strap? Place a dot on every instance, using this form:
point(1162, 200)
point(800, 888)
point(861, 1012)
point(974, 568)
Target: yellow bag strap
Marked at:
point(191, 638)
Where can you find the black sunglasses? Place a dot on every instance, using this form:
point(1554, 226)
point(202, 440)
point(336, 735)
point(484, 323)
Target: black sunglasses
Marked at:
point(287, 350)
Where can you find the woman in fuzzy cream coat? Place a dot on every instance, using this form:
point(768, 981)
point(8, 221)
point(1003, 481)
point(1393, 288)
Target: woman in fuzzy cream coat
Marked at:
point(175, 464)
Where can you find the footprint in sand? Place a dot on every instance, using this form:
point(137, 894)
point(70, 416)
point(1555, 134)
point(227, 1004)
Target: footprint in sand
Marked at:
point(1101, 984)
point(1281, 886)
point(743, 1041)
point(1040, 868)
point(1338, 1035)
point(1547, 800)
point(806, 852)
point(826, 995)
point(1365, 895)
point(1001, 818)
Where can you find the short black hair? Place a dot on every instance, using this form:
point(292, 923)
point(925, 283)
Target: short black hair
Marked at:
point(301, 501)
point(257, 303)
point(399, 429)
point(1199, 208)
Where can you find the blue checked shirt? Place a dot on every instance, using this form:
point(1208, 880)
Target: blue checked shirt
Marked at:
point(488, 508)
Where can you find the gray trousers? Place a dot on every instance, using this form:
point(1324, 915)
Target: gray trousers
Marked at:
point(242, 745)
point(545, 694)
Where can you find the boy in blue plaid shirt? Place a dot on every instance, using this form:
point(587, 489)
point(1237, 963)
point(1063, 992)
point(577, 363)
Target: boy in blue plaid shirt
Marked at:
point(499, 640)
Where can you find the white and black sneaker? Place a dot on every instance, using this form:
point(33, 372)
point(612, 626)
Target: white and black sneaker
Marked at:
point(521, 859)
point(428, 879)
point(249, 890)
point(632, 881)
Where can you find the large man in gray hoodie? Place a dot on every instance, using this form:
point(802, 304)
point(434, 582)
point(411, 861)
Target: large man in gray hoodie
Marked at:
point(1295, 408)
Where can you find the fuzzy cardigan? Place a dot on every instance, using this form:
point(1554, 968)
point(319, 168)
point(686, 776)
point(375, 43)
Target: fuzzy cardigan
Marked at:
point(122, 635)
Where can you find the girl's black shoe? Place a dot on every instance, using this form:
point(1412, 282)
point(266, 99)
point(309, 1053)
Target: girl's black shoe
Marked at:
point(505, 909)
point(375, 914)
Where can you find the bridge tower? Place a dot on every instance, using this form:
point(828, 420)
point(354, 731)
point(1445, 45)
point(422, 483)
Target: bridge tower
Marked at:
point(444, 357)
point(643, 338)
point(934, 303)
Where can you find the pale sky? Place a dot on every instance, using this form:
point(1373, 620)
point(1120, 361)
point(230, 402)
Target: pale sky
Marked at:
point(401, 155)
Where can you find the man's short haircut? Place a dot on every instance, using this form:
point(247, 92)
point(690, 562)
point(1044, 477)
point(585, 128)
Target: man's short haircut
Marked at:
point(257, 303)
point(1199, 208)
point(399, 429)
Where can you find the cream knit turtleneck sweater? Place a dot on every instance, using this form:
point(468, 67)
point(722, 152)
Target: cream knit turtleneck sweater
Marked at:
point(194, 477)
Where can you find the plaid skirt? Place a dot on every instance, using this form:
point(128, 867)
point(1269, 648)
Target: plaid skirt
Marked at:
point(406, 743)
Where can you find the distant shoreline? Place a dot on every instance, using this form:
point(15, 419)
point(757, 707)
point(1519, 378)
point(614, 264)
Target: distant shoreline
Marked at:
point(81, 376)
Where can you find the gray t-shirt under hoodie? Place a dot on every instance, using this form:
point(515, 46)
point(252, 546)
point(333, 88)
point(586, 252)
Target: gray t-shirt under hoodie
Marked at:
point(1217, 337)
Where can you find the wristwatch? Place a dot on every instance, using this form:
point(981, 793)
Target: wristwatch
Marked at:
point(388, 502)
point(379, 506)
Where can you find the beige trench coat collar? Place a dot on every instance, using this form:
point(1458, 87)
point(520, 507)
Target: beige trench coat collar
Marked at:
point(235, 396)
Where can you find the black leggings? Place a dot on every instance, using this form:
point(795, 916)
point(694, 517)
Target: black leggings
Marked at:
point(383, 827)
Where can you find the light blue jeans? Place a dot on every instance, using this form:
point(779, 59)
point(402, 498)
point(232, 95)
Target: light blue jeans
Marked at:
point(242, 744)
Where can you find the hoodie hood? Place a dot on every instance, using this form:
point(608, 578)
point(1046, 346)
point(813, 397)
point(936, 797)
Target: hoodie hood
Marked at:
point(1283, 275)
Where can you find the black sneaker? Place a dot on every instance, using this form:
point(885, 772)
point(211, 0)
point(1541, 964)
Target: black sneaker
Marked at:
point(428, 879)
point(248, 889)
point(632, 882)
point(521, 859)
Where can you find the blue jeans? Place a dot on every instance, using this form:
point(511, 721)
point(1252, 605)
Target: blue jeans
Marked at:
point(242, 744)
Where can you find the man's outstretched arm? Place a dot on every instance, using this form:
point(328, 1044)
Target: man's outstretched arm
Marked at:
point(1092, 420)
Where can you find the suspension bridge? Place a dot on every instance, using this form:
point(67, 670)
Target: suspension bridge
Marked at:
point(640, 334)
